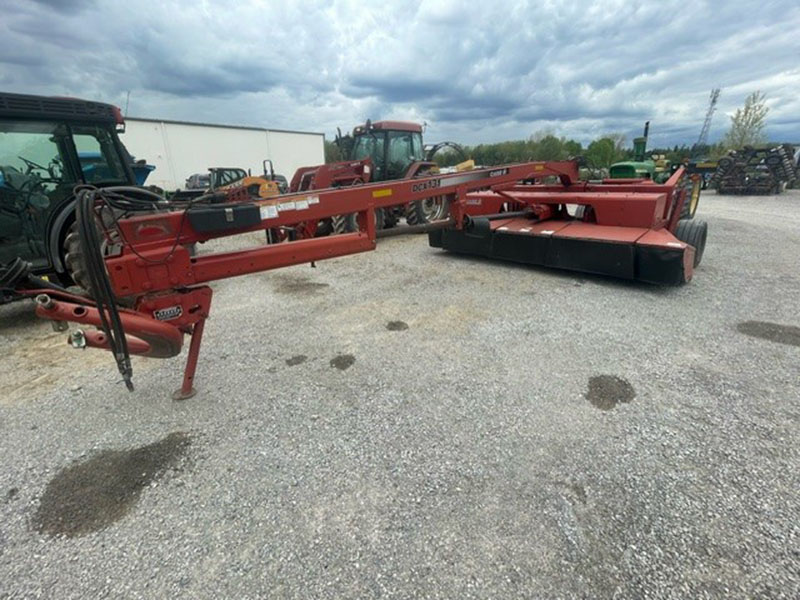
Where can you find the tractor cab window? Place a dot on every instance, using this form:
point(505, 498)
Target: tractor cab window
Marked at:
point(34, 177)
point(416, 146)
point(32, 155)
point(405, 147)
point(371, 145)
point(98, 156)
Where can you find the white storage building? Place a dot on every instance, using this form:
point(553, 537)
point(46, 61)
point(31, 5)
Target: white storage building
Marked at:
point(179, 149)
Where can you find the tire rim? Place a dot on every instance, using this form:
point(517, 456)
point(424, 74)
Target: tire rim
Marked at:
point(433, 209)
point(694, 198)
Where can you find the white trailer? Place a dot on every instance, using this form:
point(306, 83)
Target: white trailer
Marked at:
point(179, 149)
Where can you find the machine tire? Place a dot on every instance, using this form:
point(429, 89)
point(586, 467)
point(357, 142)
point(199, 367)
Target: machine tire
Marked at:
point(74, 260)
point(349, 223)
point(436, 208)
point(693, 233)
point(692, 200)
point(415, 213)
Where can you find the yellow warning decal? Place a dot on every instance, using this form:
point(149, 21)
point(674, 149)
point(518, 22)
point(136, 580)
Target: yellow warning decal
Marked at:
point(382, 193)
point(538, 167)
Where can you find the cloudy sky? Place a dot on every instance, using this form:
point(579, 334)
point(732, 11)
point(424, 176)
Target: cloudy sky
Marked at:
point(474, 71)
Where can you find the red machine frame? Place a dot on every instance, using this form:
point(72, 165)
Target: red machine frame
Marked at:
point(166, 283)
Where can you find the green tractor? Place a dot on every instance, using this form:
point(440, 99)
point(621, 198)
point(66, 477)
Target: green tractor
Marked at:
point(658, 169)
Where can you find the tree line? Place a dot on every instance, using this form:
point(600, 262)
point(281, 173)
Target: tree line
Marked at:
point(746, 128)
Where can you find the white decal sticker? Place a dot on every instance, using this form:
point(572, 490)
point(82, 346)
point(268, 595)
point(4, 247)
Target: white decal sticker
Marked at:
point(268, 211)
point(301, 204)
point(286, 206)
point(313, 199)
point(474, 201)
point(167, 314)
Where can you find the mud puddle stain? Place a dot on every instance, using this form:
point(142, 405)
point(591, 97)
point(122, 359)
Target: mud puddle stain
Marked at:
point(296, 360)
point(773, 332)
point(301, 286)
point(606, 391)
point(397, 326)
point(343, 361)
point(91, 495)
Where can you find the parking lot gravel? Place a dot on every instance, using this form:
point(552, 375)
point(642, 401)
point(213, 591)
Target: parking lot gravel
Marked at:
point(412, 424)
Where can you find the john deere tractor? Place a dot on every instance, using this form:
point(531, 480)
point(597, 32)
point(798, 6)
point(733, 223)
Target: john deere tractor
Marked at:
point(659, 169)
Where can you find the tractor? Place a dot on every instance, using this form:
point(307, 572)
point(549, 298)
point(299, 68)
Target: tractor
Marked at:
point(658, 169)
point(222, 179)
point(379, 151)
point(48, 146)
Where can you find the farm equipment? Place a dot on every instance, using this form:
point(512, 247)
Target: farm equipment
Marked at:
point(628, 229)
point(47, 147)
point(226, 179)
point(657, 169)
point(380, 151)
point(755, 171)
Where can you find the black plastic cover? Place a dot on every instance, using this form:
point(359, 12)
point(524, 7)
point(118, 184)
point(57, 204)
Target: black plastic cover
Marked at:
point(208, 219)
point(626, 261)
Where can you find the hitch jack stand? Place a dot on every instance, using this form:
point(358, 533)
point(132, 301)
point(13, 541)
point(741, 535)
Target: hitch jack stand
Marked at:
point(186, 391)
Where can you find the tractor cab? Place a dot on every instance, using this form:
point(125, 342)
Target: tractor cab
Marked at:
point(393, 147)
point(47, 147)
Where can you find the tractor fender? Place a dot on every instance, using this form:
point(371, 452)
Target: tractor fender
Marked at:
point(421, 167)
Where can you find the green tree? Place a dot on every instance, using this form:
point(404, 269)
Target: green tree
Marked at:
point(573, 148)
point(332, 152)
point(550, 148)
point(747, 123)
point(603, 152)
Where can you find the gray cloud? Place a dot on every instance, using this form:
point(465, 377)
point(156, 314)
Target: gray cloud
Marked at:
point(503, 71)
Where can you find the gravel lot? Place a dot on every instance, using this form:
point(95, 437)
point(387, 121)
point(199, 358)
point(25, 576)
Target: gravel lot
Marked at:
point(411, 424)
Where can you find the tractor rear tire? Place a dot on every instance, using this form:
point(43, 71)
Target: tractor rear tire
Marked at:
point(422, 212)
point(416, 213)
point(349, 223)
point(74, 260)
point(693, 233)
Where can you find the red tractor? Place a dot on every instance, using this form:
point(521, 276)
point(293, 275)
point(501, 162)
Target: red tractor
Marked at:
point(380, 151)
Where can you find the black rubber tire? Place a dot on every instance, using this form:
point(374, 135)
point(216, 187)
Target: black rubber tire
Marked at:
point(693, 233)
point(74, 261)
point(391, 216)
point(415, 215)
point(349, 223)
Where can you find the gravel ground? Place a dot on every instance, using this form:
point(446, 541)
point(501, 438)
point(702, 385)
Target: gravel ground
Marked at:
point(410, 424)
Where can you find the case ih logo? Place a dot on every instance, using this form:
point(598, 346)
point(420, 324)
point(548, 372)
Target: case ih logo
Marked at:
point(428, 185)
point(167, 314)
point(498, 172)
